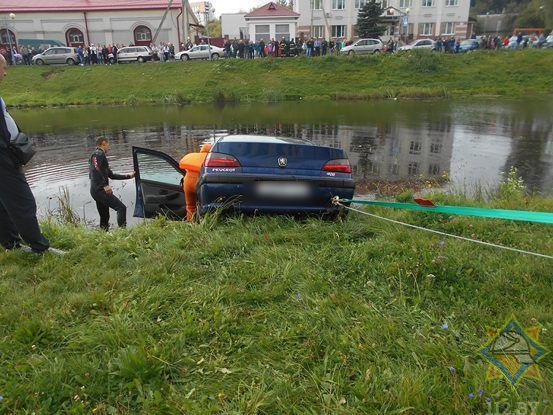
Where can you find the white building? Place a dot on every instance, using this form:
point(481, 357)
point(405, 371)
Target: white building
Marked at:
point(80, 22)
point(234, 26)
point(270, 21)
point(405, 18)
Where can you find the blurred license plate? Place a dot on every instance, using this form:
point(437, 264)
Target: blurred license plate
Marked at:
point(282, 189)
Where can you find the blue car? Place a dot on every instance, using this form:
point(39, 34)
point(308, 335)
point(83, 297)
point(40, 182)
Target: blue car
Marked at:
point(249, 174)
point(468, 45)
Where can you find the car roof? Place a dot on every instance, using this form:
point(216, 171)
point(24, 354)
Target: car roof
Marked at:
point(243, 138)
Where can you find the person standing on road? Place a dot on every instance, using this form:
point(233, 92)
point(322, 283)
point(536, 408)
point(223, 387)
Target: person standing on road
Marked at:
point(17, 204)
point(100, 190)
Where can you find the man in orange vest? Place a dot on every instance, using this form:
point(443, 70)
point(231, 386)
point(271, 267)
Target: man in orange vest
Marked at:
point(192, 163)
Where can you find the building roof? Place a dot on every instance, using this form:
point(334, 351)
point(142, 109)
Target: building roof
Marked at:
point(30, 6)
point(272, 9)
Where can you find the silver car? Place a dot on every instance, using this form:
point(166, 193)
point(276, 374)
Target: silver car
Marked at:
point(200, 52)
point(363, 46)
point(133, 54)
point(420, 44)
point(58, 54)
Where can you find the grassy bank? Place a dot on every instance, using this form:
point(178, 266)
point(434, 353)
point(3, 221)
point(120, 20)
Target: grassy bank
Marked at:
point(273, 316)
point(420, 74)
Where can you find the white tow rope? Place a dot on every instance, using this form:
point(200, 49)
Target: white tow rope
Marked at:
point(336, 201)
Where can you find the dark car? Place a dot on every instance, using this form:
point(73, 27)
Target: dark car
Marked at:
point(250, 174)
point(467, 45)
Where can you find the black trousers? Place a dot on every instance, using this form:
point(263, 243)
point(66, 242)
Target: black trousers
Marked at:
point(17, 208)
point(103, 203)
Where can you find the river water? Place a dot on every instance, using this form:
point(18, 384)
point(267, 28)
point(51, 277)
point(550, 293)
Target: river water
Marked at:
point(472, 142)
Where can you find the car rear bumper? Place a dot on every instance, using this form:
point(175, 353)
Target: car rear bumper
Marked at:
point(272, 194)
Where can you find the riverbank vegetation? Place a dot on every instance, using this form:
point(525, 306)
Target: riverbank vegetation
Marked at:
point(417, 74)
point(273, 315)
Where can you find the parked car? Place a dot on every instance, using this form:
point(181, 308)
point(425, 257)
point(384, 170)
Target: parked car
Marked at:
point(200, 52)
point(548, 42)
point(419, 44)
point(132, 54)
point(363, 46)
point(467, 45)
point(57, 54)
point(250, 174)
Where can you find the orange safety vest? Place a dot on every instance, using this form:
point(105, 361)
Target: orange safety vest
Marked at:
point(192, 162)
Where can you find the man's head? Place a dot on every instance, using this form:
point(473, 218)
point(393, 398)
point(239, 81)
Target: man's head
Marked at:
point(103, 143)
point(3, 67)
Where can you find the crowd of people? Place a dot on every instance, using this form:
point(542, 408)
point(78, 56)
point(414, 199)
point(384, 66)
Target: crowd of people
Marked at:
point(246, 49)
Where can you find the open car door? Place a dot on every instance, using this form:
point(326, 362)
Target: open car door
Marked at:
point(158, 183)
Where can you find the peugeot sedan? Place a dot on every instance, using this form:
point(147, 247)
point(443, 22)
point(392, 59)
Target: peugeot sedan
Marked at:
point(419, 44)
point(249, 174)
point(200, 52)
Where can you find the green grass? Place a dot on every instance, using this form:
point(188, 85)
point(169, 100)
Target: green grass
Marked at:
point(420, 74)
point(272, 315)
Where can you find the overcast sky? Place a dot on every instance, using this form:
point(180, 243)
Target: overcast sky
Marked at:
point(235, 6)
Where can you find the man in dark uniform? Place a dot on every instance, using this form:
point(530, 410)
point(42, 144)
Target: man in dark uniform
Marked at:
point(17, 204)
point(100, 190)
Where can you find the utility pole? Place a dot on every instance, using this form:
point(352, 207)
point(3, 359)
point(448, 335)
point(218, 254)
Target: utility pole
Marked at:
point(207, 10)
point(185, 21)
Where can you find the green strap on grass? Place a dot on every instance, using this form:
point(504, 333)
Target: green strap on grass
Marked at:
point(524, 215)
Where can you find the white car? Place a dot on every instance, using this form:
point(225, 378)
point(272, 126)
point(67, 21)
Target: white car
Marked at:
point(363, 46)
point(133, 54)
point(200, 52)
point(420, 44)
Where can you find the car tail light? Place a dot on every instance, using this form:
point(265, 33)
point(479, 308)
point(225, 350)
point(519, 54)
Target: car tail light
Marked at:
point(221, 160)
point(338, 166)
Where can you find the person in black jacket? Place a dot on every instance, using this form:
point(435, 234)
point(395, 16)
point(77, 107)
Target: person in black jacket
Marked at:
point(17, 204)
point(100, 190)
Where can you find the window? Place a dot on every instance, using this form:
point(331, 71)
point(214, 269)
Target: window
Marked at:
point(338, 31)
point(426, 29)
point(436, 148)
point(393, 169)
point(360, 3)
point(427, 3)
point(282, 31)
point(433, 169)
point(74, 37)
point(403, 4)
point(317, 4)
point(4, 37)
point(156, 169)
point(244, 33)
point(373, 167)
point(338, 4)
point(383, 4)
point(262, 31)
point(451, 2)
point(449, 28)
point(413, 168)
point(142, 34)
point(318, 31)
point(415, 147)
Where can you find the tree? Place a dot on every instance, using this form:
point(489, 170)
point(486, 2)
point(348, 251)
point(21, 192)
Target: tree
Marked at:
point(214, 27)
point(368, 20)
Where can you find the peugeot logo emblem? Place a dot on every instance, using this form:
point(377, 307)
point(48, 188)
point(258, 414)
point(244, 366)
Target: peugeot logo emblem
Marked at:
point(282, 161)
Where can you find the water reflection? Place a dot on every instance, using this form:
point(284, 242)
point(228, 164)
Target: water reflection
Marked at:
point(472, 143)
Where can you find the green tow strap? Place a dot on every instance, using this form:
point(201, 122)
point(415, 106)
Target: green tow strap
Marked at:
point(524, 215)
